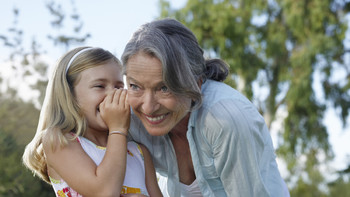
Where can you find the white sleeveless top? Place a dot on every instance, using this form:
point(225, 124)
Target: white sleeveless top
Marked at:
point(190, 190)
point(134, 181)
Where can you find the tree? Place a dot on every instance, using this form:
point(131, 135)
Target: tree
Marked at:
point(340, 186)
point(27, 62)
point(274, 50)
point(18, 118)
point(59, 17)
point(15, 180)
point(18, 121)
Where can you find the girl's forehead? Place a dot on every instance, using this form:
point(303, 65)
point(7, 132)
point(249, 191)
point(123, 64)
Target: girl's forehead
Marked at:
point(105, 70)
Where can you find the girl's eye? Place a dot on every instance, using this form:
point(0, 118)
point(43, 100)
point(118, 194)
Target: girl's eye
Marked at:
point(119, 87)
point(99, 86)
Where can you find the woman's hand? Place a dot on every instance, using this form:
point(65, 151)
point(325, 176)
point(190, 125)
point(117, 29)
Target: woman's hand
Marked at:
point(115, 110)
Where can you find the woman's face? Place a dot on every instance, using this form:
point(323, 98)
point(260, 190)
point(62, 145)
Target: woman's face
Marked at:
point(159, 110)
point(91, 89)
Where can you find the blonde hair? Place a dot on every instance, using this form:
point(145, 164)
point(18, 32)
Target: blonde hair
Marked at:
point(60, 113)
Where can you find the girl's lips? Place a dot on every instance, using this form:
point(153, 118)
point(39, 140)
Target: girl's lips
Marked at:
point(155, 119)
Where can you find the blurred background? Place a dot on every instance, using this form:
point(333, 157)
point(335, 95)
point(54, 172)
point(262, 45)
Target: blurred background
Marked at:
point(290, 58)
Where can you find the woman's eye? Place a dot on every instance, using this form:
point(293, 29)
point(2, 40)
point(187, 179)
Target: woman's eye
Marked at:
point(99, 86)
point(164, 89)
point(133, 87)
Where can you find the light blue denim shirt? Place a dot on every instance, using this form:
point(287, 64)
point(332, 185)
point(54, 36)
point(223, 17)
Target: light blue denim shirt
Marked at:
point(231, 147)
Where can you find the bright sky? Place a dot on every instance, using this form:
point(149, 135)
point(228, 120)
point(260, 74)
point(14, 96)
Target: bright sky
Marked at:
point(111, 23)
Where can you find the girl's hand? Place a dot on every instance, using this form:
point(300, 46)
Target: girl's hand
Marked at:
point(115, 111)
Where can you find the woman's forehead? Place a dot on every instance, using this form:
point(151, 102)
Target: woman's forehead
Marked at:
point(143, 64)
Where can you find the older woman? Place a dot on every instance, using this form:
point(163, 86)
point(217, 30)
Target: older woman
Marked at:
point(204, 136)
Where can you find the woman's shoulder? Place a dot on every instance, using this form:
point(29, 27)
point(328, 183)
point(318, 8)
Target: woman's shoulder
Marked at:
point(224, 111)
point(222, 102)
point(214, 92)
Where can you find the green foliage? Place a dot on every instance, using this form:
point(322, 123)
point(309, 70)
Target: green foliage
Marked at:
point(279, 45)
point(30, 62)
point(15, 180)
point(306, 190)
point(18, 122)
point(340, 186)
point(65, 40)
point(18, 119)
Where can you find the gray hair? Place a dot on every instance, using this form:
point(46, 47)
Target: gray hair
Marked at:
point(182, 60)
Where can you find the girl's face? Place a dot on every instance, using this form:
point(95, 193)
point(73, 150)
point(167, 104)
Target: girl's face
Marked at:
point(159, 110)
point(91, 89)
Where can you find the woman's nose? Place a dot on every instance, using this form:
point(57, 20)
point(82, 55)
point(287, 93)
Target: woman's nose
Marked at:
point(150, 103)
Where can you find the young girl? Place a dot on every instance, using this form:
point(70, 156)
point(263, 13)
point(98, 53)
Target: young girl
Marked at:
point(80, 146)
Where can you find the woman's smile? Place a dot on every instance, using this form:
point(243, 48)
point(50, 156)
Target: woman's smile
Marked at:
point(156, 119)
point(151, 100)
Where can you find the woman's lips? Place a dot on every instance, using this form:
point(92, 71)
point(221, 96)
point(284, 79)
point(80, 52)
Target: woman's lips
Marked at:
point(155, 119)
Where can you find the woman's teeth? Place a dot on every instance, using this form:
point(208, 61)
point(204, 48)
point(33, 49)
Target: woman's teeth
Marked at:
point(154, 119)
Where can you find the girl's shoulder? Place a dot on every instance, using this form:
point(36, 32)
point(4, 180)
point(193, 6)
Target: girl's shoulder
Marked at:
point(53, 138)
point(136, 149)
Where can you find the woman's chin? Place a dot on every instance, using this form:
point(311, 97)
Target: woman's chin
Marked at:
point(156, 132)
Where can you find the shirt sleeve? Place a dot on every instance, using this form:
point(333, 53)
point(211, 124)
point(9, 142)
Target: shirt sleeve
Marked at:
point(242, 149)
